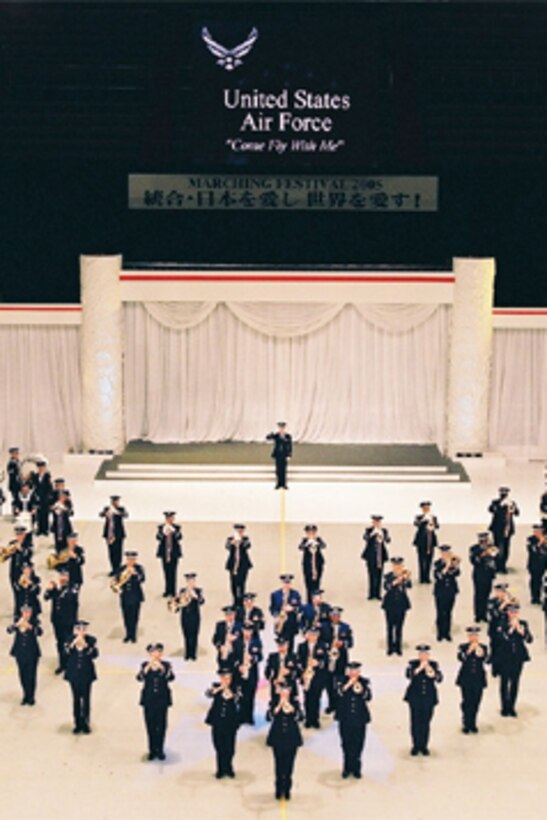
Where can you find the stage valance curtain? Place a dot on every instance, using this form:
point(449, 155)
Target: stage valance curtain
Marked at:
point(350, 380)
point(518, 408)
point(40, 403)
point(290, 319)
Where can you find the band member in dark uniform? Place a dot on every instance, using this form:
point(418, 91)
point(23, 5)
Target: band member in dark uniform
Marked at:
point(128, 583)
point(338, 638)
point(513, 654)
point(282, 452)
point(315, 614)
point(64, 612)
point(250, 656)
point(75, 561)
point(472, 677)
point(156, 675)
point(284, 738)
point(61, 525)
point(447, 569)
point(249, 613)
point(498, 605)
point(18, 551)
point(483, 559)
point(421, 695)
point(537, 561)
point(227, 640)
point(312, 660)
point(352, 713)
point(27, 592)
point(26, 651)
point(285, 607)
point(223, 718)
point(395, 604)
point(238, 562)
point(169, 537)
point(15, 478)
point(313, 562)
point(281, 670)
point(43, 489)
point(543, 511)
point(81, 652)
point(502, 526)
point(26, 506)
point(375, 554)
point(114, 532)
point(188, 602)
point(425, 540)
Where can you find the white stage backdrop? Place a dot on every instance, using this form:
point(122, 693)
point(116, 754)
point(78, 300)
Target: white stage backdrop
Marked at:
point(518, 409)
point(202, 372)
point(40, 388)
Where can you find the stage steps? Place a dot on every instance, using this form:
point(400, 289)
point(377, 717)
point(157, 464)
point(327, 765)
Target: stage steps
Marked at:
point(316, 463)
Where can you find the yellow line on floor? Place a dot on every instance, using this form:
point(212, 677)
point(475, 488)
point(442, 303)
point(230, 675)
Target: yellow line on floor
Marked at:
point(283, 809)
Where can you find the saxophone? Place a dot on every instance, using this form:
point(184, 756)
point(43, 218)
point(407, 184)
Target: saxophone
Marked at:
point(282, 617)
point(7, 552)
point(55, 559)
point(308, 673)
point(246, 664)
point(117, 583)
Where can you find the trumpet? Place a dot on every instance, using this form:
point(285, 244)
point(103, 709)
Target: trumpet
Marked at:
point(117, 584)
point(403, 577)
point(8, 551)
point(55, 559)
point(491, 551)
point(452, 565)
point(178, 602)
point(24, 581)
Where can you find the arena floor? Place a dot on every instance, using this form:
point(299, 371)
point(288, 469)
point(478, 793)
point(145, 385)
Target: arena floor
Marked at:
point(50, 773)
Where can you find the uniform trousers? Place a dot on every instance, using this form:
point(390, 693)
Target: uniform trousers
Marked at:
point(27, 668)
point(420, 722)
point(155, 718)
point(224, 741)
point(353, 736)
point(284, 766)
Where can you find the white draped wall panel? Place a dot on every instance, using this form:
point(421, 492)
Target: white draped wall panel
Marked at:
point(40, 403)
point(348, 381)
point(518, 407)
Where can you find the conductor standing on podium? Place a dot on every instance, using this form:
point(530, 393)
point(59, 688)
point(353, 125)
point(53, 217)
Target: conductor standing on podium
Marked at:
point(282, 451)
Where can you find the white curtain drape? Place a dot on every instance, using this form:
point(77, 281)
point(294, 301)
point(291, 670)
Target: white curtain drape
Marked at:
point(348, 381)
point(288, 319)
point(518, 407)
point(40, 403)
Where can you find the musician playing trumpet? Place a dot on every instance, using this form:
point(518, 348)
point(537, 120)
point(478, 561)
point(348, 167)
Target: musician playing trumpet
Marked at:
point(285, 738)
point(312, 661)
point(42, 490)
point(18, 552)
point(421, 695)
point(64, 598)
point(281, 669)
point(375, 555)
point(76, 560)
point(502, 526)
point(223, 718)
point(15, 478)
point(227, 640)
point(446, 571)
point(27, 591)
point(313, 561)
point(396, 603)
point(513, 654)
point(536, 547)
point(114, 532)
point(189, 602)
point(130, 579)
point(156, 674)
point(61, 512)
point(471, 678)
point(250, 656)
point(483, 560)
point(80, 672)
point(169, 537)
point(26, 651)
point(354, 693)
point(238, 562)
point(425, 540)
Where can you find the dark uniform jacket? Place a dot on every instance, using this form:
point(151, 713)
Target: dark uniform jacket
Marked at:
point(421, 688)
point(42, 487)
point(156, 690)
point(253, 614)
point(20, 557)
point(74, 566)
point(80, 667)
point(472, 671)
point(273, 664)
point(284, 733)
point(375, 551)
point(314, 616)
point(115, 521)
point(502, 524)
point(64, 604)
point(352, 707)
point(15, 479)
point(163, 543)
point(132, 592)
point(423, 532)
point(445, 582)
point(245, 563)
point(25, 644)
point(483, 565)
point(307, 556)
point(513, 649)
point(282, 447)
point(395, 597)
point(224, 711)
point(537, 555)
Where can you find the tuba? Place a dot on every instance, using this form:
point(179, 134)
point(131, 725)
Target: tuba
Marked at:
point(117, 584)
point(55, 559)
point(178, 602)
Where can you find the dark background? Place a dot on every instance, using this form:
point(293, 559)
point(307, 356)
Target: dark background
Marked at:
point(92, 92)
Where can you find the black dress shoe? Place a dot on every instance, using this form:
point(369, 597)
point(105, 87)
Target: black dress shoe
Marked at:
point(465, 730)
point(504, 713)
point(399, 652)
point(425, 752)
point(126, 639)
point(31, 702)
point(161, 755)
point(345, 774)
point(512, 713)
point(329, 710)
point(151, 756)
point(24, 702)
point(219, 775)
point(414, 751)
point(59, 670)
point(76, 730)
point(231, 773)
point(474, 730)
point(357, 774)
point(85, 729)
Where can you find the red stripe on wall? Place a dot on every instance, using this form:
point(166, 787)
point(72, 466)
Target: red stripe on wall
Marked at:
point(278, 278)
point(519, 312)
point(34, 308)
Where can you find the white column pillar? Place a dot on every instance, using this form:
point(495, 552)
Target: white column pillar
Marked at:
point(470, 356)
point(101, 344)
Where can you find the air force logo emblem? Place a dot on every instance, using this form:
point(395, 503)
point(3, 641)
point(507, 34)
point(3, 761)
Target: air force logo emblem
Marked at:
point(229, 58)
